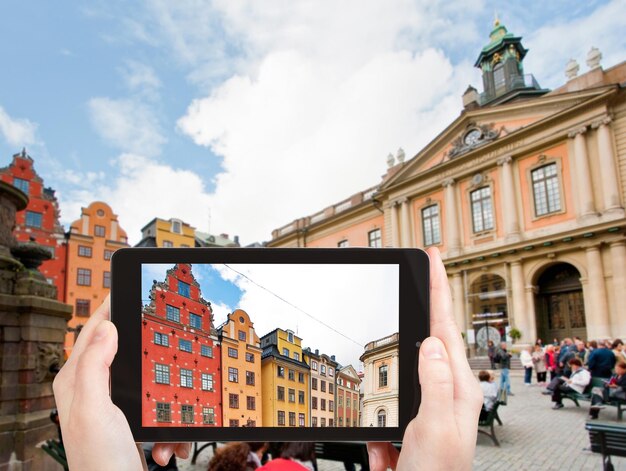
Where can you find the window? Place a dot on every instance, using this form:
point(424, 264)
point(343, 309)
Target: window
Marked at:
point(330, 423)
point(208, 415)
point(108, 254)
point(186, 378)
point(242, 336)
point(340, 421)
point(382, 376)
point(313, 383)
point(250, 380)
point(233, 353)
point(431, 225)
point(323, 404)
point(207, 382)
point(250, 357)
point(280, 395)
point(186, 414)
point(323, 422)
point(281, 417)
point(382, 418)
point(184, 345)
point(292, 375)
point(206, 351)
point(498, 77)
point(99, 231)
point(323, 370)
point(84, 251)
point(183, 288)
point(233, 375)
point(251, 423)
point(300, 377)
point(106, 279)
point(374, 238)
point(343, 243)
point(162, 373)
point(290, 337)
point(314, 365)
point(233, 401)
point(323, 386)
point(331, 388)
point(292, 395)
point(314, 402)
point(233, 422)
point(331, 406)
point(347, 421)
point(314, 421)
point(176, 227)
point(482, 212)
point(84, 277)
point(292, 419)
point(347, 402)
point(33, 219)
point(168, 243)
point(195, 321)
point(296, 356)
point(250, 402)
point(301, 420)
point(300, 397)
point(286, 352)
point(172, 313)
point(161, 339)
point(331, 372)
point(164, 412)
point(21, 184)
point(280, 371)
point(546, 190)
point(83, 307)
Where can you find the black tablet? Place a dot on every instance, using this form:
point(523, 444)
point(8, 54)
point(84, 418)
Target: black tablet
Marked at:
point(268, 344)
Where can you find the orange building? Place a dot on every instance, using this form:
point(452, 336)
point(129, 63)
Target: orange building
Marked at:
point(241, 372)
point(91, 241)
point(523, 194)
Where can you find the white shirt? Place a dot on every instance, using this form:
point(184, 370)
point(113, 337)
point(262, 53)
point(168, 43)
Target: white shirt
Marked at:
point(579, 380)
point(526, 358)
point(490, 393)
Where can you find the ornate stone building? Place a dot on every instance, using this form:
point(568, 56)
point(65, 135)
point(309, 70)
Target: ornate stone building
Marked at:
point(523, 193)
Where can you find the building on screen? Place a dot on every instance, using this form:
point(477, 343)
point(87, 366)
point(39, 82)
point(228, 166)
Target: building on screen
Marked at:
point(285, 380)
point(348, 403)
point(322, 386)
point(241, 371)
point(523, 194)
point(181, 383)
point(381, 374)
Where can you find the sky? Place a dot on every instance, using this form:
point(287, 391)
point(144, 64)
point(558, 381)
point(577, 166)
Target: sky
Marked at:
point(314, 301)
point(240, 116)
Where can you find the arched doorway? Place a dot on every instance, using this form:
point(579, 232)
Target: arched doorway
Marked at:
point(560, 305)
point(489, 310)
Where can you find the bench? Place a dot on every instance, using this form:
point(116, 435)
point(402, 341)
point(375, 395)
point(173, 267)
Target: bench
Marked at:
point(488, 421)
point(586, 396)
point(608, 438)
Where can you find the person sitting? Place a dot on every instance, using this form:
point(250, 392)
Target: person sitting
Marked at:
point(615, 387)
point(601, 362)
point(577, 382)
point(490, 392)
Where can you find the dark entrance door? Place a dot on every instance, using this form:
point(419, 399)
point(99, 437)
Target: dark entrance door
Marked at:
point(560, 305)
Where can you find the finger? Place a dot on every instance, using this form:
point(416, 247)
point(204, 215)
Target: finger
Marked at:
point(394, 455)
point(183, 450)
point(378, 454)
point(162, 452)
point(103, 312)
point(437, 385)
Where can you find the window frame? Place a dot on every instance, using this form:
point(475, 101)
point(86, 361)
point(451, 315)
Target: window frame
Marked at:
point(106, 279)
point(83, 274)
point(19, 183)
point(379, 238)
point(544, 161)
point(471, 191)
point(83, 302)
point(99, 233)
point(85, 251)
point(422, 209)
point(30, 214)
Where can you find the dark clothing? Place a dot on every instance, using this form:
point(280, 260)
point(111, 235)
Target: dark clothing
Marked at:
point(504, 358)
point(558, 392)
point(528, 372)
point(541, 377)
point(565, 356)
point(491, 352)
point(601, 363)
point(608, 393)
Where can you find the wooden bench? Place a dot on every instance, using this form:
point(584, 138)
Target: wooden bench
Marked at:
point(586, 396)
point(607, 438)
point(492, 417)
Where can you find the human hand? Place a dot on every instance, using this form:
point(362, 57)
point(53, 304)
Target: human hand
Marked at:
point(443, 435)
point(96, 433)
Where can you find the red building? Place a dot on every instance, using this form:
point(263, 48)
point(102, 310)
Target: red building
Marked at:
point(40, 219)
point(181, 355)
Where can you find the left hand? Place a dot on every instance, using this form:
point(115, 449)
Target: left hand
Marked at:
point(96, 433)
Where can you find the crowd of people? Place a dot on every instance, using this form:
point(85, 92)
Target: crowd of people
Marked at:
point(571, 363)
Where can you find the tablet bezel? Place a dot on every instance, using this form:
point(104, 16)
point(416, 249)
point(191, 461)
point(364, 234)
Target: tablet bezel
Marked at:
point(126, 368)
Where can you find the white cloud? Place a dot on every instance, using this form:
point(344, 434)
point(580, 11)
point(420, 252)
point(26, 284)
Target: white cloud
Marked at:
point(141, 78)
point(127, 124)
point(17, 132)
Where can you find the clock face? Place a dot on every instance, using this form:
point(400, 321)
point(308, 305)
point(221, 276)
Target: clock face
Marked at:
point(485, 334)
point(472, 137)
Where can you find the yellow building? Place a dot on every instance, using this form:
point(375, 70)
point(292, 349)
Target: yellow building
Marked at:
point(167, 233)
point(285, 380)
point(241, 359)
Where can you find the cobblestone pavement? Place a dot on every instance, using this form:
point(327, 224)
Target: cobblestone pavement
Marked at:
point(532, 437)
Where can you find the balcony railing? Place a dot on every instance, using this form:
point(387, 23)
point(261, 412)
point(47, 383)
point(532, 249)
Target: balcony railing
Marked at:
point(515, 82)
point(382, 342)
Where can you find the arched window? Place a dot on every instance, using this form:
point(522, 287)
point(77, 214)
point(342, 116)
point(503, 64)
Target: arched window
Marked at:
point(382, 418)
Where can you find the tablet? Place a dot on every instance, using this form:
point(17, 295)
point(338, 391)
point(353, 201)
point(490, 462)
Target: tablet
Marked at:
point(268, 344)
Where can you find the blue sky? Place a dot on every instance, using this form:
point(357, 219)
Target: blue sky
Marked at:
point(241, 109)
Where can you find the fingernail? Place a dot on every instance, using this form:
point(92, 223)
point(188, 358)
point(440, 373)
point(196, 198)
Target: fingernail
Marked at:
point(101, 331)
point(433, 350)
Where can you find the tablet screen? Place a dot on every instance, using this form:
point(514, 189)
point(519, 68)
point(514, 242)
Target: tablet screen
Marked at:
point(270, 345)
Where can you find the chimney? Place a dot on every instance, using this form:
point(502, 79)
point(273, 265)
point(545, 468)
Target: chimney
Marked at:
point(317, 351)
point(470, 98)
point(332, 357)
point(236, 240)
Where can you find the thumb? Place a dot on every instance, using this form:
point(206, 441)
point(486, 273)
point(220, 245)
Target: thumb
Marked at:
point(436, 382)
point(92, 370)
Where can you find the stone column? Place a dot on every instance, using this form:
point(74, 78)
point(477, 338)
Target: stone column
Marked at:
point(586, 206)
point(598, 315)
point(405, 223)
point(618, 258)
point(519, 302)
point(458, 300)
point(395, 230)
point(509, 208)
point(453, 239)
point(532, 315)
point(608, 171)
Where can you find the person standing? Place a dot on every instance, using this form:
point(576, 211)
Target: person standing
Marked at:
point(539, 362)
point(550, 361)
point(491, 352)
point(601, 362)
point(527, 362)
point(504, 358)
